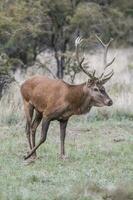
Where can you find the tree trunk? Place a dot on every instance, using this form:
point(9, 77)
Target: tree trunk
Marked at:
point(60, 67)
point(59, 52)
point(23, 56)
point(35, 50)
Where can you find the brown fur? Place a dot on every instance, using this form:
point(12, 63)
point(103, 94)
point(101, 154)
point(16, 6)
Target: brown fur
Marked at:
point(44, 94)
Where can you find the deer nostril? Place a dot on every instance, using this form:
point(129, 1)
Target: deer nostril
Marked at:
point(110, 102)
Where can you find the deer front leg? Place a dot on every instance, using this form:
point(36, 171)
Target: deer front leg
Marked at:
point(63, 125)
point(45, 126)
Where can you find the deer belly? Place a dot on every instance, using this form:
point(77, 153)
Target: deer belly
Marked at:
point(66, 115)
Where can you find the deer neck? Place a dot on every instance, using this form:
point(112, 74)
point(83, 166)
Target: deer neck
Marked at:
point(85, 104)
point(82, 102)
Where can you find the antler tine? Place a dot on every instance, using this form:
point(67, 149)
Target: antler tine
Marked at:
point(104, 78)
point(78, 41)
point(107, 77)
point(110, 63)
point(106, 47)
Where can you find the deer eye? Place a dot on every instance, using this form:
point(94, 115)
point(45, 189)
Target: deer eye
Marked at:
point(102, 90)
point(95, 89)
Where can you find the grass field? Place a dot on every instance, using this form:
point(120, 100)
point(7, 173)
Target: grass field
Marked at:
point(99, 164)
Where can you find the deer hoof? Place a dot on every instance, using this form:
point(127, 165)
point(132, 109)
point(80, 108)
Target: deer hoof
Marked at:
point(25, 157)
point(29, 161)
point(33, 156)
point(64, 157)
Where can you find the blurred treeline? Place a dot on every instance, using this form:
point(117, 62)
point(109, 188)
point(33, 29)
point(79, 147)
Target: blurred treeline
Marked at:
point(28, 27)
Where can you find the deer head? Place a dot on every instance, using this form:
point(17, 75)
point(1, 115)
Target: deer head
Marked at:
point(95, 85)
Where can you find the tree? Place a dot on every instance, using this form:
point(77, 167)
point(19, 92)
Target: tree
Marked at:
point(58, 13)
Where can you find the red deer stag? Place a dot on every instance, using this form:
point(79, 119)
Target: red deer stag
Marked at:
point(54, 99)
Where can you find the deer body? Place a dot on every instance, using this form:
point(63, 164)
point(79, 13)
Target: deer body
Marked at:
point(53, 99)
point(50, 95)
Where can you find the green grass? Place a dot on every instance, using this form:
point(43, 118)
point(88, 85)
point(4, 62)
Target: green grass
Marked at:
point(100, 163)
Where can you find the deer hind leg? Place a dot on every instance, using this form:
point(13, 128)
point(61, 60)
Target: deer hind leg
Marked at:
point(34, 125)
point(63, 125)
point(29, 110)
point(45, 126)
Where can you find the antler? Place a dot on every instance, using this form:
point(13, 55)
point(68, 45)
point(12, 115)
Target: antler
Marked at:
point(78, 42)
point(104, 78)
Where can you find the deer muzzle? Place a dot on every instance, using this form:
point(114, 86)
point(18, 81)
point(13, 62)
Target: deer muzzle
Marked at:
point(109, 102)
